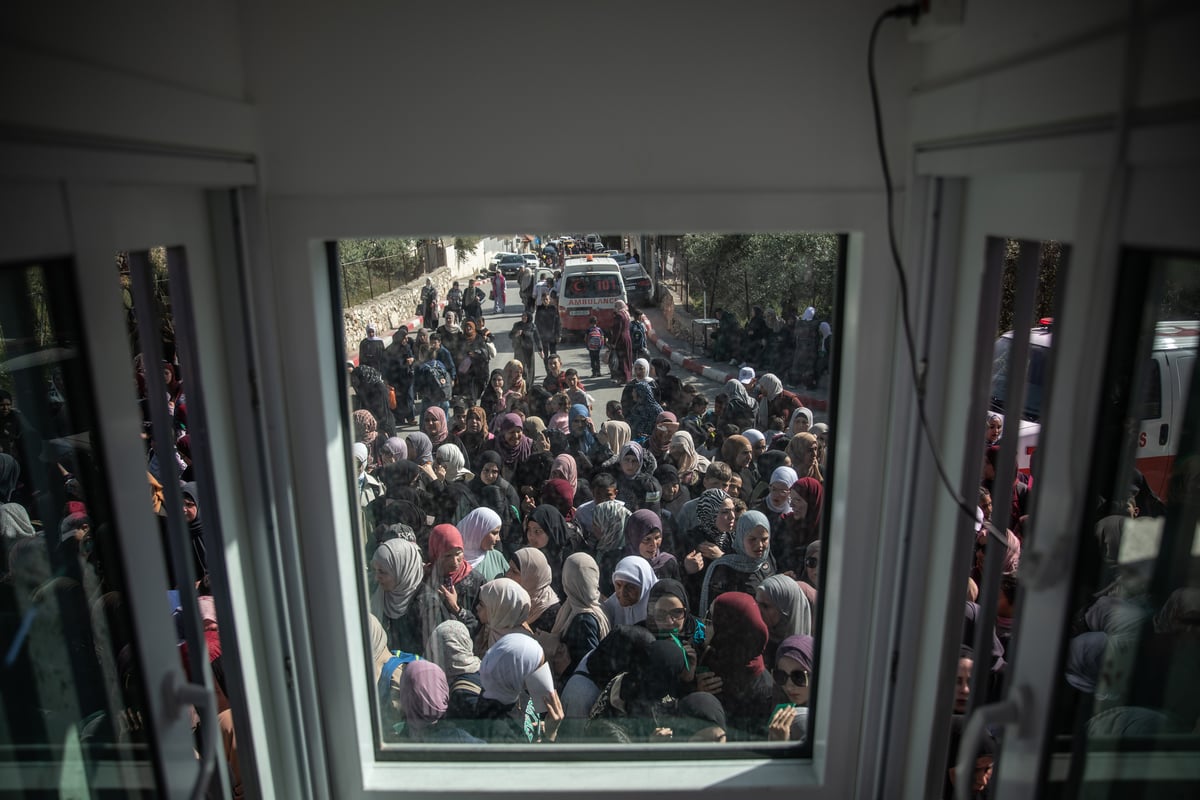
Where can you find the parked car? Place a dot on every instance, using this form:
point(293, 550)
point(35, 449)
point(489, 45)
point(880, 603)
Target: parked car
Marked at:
point(638, 284)
point(510, 264)
point(531, 260)
point(494, 261)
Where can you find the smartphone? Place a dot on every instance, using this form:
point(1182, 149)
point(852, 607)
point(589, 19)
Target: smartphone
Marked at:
point(703, 670)
point(778, 707)
point(447, 582)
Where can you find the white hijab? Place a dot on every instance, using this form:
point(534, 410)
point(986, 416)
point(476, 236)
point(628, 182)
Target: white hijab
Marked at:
point(508, 664)
point(450, 647)
point(473, 527)
point(635, 570)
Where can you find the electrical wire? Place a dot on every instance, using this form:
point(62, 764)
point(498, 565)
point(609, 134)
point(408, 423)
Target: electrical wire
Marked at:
point(910, 11)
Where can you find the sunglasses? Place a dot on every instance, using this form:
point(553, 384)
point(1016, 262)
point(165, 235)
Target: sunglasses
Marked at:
point(812, 563)
point(799, 677)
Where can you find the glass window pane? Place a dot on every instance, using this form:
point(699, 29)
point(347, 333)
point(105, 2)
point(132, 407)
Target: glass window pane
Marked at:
point(553, 511)
point(70, 694)
point(1133, 647)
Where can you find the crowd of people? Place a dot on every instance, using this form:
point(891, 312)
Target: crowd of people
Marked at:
point(539, 572)
point(790, 344)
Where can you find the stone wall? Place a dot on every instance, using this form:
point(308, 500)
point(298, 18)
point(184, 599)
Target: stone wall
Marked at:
point(391, 310)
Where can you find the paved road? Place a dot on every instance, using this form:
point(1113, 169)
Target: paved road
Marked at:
point(573, 355)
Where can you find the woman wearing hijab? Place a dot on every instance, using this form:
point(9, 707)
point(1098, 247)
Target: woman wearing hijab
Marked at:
point(546, 529)
point(565, 467)
point(641, 374)
point(793, 675)
point(775, 401)
point(582, 439)
point(558, 493)
point(737, 636)
point(451, 648)
point(503, 608)
point(614, 434)
point(452, 589)
point(420, 452)
point(531, 570)
point(659, 443)
point(738, 453)
point(624, 646)
point(492, 400)
point(644, 537)
point(580, 623)
point(800, 422)
point(425, 700)
point(492, 490)
point(474, 362)
point(785, 609)
point(776, 503)
point(608, 533)
point(511, 669)
point(480, 530)
point(632, 581)
point(669, 614)
point(740, 407)
point(514, 378)
point(804, 450)
point(747, 566)
point(621, 342)
point(451, 498)
point(636, 484)
point(691, 466)
point(398, 573)
point(636, 703)
point(644, 412)
point(511, 444)
point(526, 342)
point(437, 428)
point(476, 438)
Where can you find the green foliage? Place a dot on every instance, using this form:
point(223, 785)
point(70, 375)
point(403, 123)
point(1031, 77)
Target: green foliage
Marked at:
point(770, 270)
point(1049, 260)
point(370, 267)
point(465, 246)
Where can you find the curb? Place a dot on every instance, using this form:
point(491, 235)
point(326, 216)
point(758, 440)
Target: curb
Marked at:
point(411, 323)
point(717, 376)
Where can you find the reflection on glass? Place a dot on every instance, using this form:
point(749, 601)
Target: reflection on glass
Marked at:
point(1134, 648)
point(70, 690)
point(581, 540)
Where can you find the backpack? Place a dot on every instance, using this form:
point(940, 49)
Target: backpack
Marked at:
point(595, 338)
point(637, 335)
point(433, 381)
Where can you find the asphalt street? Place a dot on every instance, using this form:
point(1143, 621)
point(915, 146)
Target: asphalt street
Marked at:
point(573, 355)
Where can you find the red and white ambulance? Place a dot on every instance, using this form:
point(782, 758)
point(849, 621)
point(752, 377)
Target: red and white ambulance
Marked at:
point(1163, 398)
point(590, 285)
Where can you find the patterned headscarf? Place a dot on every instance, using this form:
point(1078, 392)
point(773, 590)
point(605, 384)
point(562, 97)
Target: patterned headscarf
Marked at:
point(565, 467)
point(707, 507)
point(365, 427)
point(610, 517)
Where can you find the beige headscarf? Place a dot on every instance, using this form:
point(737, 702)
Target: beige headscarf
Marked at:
point(535, 579)
point(615, 433)
point(507, 605)
point(581, 584)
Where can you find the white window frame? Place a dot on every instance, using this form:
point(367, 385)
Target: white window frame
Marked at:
point(329, 600)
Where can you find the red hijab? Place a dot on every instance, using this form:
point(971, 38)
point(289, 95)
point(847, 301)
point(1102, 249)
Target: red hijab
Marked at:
point(812, 491)
point(736, 651)
point(558, 493)
point(443, 539)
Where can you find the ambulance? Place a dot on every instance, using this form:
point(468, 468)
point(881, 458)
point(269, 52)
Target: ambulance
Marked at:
point(590, 285)
point(1161, 408)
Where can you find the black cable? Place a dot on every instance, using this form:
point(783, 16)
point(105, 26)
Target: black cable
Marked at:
point(910, 11)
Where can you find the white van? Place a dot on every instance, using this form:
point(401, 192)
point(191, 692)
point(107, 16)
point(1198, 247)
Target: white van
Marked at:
point(590, 284)
point(1164, 396)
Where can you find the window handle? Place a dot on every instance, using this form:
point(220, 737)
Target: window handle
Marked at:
point(1163, 430)
point(1011, 710)
point(180, 695)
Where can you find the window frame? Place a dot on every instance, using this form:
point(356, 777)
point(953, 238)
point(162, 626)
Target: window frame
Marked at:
point(313, 436)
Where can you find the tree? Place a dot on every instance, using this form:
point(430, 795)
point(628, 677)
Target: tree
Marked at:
point(465, 246)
